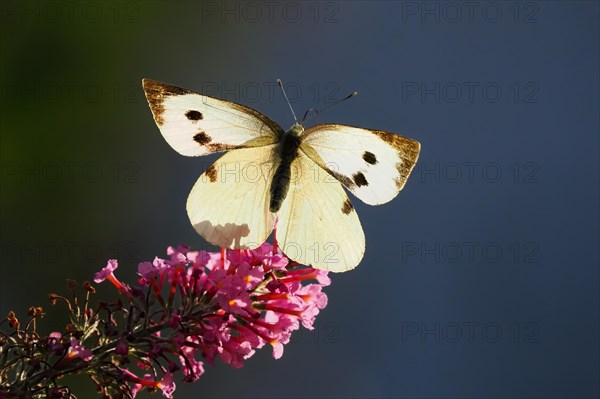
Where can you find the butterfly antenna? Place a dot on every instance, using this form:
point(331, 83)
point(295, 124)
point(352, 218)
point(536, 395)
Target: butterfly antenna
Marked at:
point(287, 99)
point(307, 112)
point(317, 112)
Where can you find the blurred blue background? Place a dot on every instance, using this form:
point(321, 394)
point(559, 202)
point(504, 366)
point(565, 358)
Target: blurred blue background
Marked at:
point(480, 280)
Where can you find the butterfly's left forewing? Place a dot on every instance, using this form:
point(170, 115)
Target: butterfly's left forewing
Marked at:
point(194, 124)
point(374, 165)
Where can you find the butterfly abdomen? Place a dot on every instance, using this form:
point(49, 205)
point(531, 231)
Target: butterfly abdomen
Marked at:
point(287, 151)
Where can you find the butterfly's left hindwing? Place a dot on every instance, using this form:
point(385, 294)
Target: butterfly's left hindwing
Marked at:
point(194, 124)
point(229, 204)
point(374, 165)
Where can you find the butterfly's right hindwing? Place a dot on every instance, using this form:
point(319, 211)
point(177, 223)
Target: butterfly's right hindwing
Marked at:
point(317, 223)
point(194, 124)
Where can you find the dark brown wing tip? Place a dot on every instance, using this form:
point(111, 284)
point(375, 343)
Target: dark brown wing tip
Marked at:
point(164, 88)
point(156, 92)
point(155, 96)
point(409, 154)
point(151, 85)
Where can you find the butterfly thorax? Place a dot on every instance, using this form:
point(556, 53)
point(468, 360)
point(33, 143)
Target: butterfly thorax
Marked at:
point(287, 151)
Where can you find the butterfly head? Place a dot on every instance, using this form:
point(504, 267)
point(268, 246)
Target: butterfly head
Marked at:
point(296, 130)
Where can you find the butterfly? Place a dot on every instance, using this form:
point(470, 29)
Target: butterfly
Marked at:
point(268, 175)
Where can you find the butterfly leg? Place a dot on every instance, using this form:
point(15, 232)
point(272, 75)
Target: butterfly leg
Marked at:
point(275, 248)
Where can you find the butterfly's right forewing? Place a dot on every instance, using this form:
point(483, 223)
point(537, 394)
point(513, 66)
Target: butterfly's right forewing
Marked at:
point(374, 165)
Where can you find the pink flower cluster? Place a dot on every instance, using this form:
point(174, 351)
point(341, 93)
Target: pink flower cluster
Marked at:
point(216, 305)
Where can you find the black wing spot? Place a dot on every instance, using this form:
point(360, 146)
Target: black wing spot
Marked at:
point(370, 158)
point(359, 179)
point(346, 181)
point(194, 115)
point(216, 147)
point(202, 138)
point(347, 207)
point(211, 172)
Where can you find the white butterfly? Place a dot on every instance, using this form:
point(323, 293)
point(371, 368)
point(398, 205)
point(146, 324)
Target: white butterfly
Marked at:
point(270, 174)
